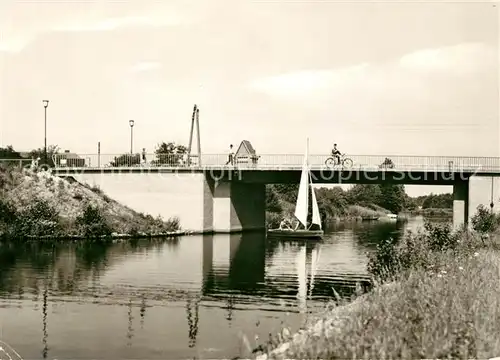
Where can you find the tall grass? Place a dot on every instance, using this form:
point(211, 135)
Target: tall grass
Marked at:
point(438, 296)
point(453, 312)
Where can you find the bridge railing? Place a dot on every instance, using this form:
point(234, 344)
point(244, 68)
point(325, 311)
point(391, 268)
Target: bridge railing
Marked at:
point(279, 161)
point(16, 162)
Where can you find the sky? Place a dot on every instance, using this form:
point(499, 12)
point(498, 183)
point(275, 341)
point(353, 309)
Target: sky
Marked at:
point(385, 78)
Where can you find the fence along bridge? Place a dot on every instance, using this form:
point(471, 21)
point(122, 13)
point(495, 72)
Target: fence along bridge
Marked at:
point(279, 162)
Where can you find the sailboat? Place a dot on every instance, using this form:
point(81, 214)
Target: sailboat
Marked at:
point(302, 209)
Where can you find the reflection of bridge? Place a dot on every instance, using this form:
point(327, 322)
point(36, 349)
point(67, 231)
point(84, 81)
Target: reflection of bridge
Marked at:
point(214, 197)
point(223, 268)
point(246, 276)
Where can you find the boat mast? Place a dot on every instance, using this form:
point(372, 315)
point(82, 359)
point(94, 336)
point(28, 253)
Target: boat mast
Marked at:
point(302, 204)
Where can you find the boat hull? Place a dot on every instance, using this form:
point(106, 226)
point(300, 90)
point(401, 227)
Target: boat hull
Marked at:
point(370, 218)
point(295, 234)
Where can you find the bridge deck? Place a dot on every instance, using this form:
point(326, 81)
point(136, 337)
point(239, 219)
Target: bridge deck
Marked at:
point(179, 162)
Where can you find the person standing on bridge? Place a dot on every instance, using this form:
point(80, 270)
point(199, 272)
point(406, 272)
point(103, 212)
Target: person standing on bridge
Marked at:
point(230, 159)
point(143, 157)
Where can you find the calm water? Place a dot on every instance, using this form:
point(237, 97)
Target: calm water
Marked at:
point(192, 296)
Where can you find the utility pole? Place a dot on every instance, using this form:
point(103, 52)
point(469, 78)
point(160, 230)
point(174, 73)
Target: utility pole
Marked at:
point(45, 105)
point(131, 123)
point(194, 118)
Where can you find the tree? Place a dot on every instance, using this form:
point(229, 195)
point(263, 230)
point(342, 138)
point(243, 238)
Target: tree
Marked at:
point(484, 220)
point(364, 194)
point(331, 202)
point(169, 153)
point(393, 197)
point(9, 153)
point(10, 156)
point(272, 200)
point(40, 153)
point(287, 192)
point(126, 160)
point(438, 201)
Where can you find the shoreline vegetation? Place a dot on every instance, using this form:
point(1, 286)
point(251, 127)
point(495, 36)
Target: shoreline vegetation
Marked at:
point(39, 206)
point(436, 295)
point(356, 204)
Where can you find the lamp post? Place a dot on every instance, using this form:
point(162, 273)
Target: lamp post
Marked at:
point(131, 123)
point(45, 105)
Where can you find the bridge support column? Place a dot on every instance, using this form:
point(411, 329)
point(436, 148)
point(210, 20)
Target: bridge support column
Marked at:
point(238, 206)
point(460, 203)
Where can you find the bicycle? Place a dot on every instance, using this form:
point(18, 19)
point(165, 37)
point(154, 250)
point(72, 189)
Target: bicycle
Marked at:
point(344, 161)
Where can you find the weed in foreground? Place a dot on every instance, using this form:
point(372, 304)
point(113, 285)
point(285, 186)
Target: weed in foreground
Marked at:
point(452, 313)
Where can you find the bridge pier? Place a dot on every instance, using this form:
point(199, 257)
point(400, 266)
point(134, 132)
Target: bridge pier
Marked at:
point(238, 206)
point(460, 203)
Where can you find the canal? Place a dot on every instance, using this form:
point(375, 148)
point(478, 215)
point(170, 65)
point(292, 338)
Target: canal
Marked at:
point(196, 296)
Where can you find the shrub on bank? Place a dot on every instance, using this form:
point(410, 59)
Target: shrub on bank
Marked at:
point(418, 250)
point(158, 225)
point(484, 220)
point(36, 220)
point(92, 224)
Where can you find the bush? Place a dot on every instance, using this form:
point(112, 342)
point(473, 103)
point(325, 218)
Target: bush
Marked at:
point(272, 200)
point(172, 224)
point(38, 219)
point(126, 160)
point(7, 213)
point(92, 223)
point(417, 251)
point(484, 220)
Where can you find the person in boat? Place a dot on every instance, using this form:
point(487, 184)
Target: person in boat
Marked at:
point(285, 224)
point(336, 153)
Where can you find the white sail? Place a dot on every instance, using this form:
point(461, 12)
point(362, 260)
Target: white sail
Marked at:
point(316, 218)
point(302, 205)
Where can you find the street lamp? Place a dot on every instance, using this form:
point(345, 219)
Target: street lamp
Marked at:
point(45, 105)
point(131, 123)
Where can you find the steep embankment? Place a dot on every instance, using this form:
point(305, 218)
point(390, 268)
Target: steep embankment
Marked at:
point(37, 203)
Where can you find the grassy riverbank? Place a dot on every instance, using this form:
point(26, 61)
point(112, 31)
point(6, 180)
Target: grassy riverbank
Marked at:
point(438, 298)
point(38, 205)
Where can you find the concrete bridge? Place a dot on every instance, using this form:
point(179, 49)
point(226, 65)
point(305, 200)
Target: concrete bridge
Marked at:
point(208, 195)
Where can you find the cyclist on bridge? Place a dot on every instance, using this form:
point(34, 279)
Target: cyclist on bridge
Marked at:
point(336, 153)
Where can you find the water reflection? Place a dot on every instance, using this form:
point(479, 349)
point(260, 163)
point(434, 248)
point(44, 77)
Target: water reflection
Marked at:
point(195, 292)
point(44, 322)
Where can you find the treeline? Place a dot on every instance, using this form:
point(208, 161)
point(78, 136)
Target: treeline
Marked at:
point(165, 153)
point(435, 201)
point(8, 153)
point(334, 203)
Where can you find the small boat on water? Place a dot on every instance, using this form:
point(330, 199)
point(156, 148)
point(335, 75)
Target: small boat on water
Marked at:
point(302, 209)
point(295, 234)
point(392, 216)
point(370, 217)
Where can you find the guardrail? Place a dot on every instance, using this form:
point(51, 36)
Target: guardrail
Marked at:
point(280, 161)
point(16, 162)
